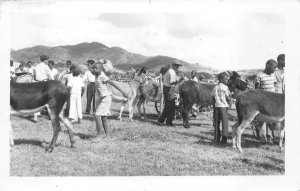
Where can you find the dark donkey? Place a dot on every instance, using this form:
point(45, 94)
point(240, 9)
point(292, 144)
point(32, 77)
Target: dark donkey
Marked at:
point(28, 98)
point(192, 92)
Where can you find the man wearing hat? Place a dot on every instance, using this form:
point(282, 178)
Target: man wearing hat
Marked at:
point(266, 80)
point(169, 82)
point(41, 71)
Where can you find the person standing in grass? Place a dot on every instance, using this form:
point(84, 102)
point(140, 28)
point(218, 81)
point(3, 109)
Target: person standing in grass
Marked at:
point(266, 80)
point(220, 95)
point(76, 87)
point(102, 69)
point(89, 77)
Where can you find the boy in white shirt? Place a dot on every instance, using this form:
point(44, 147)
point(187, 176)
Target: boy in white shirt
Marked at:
point(76, 86)
point(54, 72)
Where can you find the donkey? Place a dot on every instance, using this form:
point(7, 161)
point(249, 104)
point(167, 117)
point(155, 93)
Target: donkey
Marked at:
point(29, 98)
point(192, 92)
point(265, 106)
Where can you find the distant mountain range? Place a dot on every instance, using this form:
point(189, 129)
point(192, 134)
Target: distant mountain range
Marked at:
point(120, 58)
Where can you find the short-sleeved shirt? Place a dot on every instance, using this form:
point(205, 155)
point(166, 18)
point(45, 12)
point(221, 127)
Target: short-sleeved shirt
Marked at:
point(195, 79)
point(279, 75)
point(54, 73)
point(76, 85)
point(30, 70)
point(220, 92)
point(42, 72)
point(89, 77)
point(266, 82)
point(101, 85)
point(169, 77)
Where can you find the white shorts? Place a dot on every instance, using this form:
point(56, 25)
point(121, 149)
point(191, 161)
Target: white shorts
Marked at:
point(103, 106)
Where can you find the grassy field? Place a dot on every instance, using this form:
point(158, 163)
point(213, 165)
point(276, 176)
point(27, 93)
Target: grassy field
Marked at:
point(138, 148)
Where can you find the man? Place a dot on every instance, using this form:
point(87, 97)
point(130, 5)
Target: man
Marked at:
point(41, 71)
point(279, 74)
point(169, 82)
point(54, 72)
point(63, 75)
point(30, 68)
point(89, 77)
point(266, 80)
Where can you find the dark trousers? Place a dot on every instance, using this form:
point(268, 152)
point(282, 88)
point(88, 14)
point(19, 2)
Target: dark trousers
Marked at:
point(168, 112)
point(90, 97)
point(220, 115)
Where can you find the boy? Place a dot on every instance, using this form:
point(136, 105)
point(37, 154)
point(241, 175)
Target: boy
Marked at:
point(76, 86)
point(220, 96)
point(54, 72)
point(102, 69)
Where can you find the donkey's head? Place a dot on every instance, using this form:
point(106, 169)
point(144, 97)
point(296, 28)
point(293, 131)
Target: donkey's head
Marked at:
point(235, 82)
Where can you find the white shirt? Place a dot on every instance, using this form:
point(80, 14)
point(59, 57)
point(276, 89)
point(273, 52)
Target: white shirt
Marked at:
point(63, 74)
point(169, 77)
point(89, 77)
point(42, 72)
point(30, 70)
point(54, 73)
point(195, 79)
point(101, 85)
point(220, 92)
point(76, 85)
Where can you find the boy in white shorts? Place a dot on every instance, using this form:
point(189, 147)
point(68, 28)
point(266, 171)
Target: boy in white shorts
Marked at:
point(102, 69)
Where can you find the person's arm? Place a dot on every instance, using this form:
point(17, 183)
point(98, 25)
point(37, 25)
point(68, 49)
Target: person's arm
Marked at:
point(111, 82)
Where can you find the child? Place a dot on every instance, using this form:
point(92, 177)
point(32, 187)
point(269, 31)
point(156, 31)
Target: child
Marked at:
point(220, 96)
point(104, 96)
point(76, 86)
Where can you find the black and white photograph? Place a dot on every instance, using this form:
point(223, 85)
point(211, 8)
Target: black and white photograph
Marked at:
point(150, 95)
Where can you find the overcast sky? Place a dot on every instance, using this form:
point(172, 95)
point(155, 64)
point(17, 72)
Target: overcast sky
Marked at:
point(221, 35)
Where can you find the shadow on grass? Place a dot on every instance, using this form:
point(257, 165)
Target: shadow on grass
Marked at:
point(29, 142)
point(263, 165)
point(28, 118)
point(80, 135)
point(275, 160)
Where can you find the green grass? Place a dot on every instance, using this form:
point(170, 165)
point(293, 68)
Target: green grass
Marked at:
point(138, 148)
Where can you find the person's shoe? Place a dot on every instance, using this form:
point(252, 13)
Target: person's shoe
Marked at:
point(224, 140)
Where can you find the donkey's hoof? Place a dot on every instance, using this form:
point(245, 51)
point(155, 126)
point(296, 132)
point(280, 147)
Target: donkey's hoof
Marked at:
point(187, 126)
point(49, 149)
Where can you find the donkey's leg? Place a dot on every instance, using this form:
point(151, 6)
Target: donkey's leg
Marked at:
point(68, 125)
point(56, 129)
point(11, 138)
point(234, 135)
point(185, 115)
point(282, 125)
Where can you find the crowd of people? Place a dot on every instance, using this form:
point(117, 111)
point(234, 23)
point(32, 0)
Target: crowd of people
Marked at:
point(96, 80)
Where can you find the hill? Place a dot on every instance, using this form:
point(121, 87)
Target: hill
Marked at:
point(121, 58)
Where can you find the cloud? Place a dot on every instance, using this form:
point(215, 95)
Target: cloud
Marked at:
point(126, 20)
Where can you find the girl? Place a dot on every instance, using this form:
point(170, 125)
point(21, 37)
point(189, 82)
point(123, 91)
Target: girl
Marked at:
point(104, 96)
